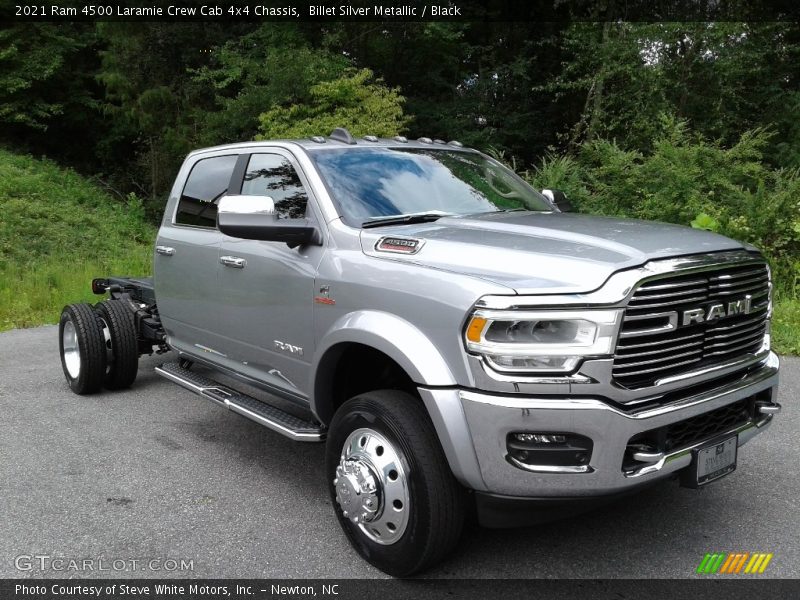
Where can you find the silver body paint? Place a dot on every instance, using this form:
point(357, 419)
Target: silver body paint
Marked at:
point(262, 323)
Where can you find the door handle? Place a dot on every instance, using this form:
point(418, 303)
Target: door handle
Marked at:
point(233, 261)
point(165, 250)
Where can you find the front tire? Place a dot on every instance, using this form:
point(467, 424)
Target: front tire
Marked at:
point(82, 347)
point(390, 484)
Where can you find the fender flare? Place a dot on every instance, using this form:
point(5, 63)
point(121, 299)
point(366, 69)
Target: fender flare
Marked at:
point(399, 339)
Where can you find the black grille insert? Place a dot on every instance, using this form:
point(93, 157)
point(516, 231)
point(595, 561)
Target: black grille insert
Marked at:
point(693, 430)
point(705, 426)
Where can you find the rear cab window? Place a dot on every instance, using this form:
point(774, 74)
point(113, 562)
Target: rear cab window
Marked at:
point(208, 181)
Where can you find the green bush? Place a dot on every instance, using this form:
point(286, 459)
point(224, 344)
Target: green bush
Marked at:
point(689, 180)
point(356, 101)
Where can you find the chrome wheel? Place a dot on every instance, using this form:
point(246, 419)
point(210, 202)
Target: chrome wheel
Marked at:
point(372, 487)
point(390, 485)
point(72, 355)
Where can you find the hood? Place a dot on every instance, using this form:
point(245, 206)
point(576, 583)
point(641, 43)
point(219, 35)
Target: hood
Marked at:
point(551, 253)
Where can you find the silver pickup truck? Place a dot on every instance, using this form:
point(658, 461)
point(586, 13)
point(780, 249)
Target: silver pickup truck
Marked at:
point(462, 344)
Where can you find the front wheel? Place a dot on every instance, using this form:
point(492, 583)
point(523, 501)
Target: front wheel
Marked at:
point(392, 489)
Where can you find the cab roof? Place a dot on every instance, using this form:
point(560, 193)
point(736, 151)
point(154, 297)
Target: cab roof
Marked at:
point(341, 138)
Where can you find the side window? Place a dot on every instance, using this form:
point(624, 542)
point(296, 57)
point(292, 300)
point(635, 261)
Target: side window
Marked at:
point(206, 184)
point(274, 176)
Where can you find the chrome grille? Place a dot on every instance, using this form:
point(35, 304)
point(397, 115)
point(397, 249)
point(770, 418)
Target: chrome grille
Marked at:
point(654, 344)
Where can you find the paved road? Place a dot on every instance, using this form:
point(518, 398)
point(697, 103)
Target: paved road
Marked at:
point(158, 473)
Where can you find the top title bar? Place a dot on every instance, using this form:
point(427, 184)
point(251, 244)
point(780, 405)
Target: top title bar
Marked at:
point(408, 10)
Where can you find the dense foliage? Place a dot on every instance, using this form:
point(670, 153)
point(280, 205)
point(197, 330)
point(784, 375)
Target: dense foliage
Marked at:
point(685, 178)
point(695, 123)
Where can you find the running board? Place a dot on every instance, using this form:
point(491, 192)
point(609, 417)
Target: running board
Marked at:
point(267, 415)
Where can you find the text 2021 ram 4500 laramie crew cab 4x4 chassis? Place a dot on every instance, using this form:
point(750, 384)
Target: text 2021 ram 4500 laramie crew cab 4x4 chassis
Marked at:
point(455, 338)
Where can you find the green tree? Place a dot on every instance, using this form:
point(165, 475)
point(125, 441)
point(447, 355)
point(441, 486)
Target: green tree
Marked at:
point(34, 65)
point(48, 97)
point(273, 65)
point(151, 99)
point(356, 101)
point(473, 82)
point(722, 78)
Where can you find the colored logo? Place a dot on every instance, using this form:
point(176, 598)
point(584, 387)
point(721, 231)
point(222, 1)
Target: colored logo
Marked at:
point(734, 563)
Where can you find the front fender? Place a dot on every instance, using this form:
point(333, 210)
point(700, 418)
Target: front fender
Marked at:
point(395, 337)
point(424, 364)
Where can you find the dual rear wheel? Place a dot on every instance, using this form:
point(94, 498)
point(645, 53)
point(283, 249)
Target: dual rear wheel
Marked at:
point(98, 346)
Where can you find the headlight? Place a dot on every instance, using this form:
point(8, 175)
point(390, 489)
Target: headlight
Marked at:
point(554, 341)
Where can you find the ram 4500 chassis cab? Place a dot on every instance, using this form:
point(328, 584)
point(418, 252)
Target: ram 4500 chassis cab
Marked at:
point(460, 342)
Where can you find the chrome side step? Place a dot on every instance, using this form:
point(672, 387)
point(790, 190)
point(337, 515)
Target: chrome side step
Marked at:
point(267, 415)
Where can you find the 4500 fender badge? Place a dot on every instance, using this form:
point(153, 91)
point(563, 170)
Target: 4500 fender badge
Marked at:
point(399, 245)
point(289, 348)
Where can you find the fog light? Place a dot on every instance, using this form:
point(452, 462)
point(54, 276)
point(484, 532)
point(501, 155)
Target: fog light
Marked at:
point(550, 452)
point(540, 438)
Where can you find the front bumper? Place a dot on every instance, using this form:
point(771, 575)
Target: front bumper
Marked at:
point(473, 427)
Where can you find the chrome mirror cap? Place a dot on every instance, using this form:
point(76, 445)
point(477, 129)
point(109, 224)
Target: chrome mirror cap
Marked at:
point(246, 205)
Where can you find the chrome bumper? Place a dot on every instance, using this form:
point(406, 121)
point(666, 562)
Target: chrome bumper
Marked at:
point(473, 428)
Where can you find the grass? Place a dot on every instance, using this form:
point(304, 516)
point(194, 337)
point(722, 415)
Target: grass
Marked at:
point(35, 295)
point(786, 326)
point(58, 230)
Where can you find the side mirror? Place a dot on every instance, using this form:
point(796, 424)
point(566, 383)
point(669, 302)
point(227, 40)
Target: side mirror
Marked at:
point(560, 200)
point(254, 218)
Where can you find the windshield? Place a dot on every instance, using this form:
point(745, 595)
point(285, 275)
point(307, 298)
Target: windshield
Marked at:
point(374, 183)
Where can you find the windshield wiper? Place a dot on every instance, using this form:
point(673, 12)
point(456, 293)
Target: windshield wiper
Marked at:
point(499, 210)
point(425, 217)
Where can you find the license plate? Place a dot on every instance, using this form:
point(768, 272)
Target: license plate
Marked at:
point(715, 460)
